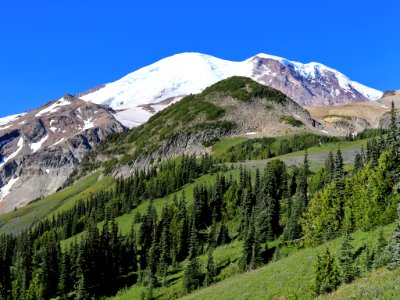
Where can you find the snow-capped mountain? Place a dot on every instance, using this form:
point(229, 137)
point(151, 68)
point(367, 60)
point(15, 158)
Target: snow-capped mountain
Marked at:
point(40, 148)
point(140, 94)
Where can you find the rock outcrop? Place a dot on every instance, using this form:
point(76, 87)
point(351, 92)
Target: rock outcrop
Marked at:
point(39, 149)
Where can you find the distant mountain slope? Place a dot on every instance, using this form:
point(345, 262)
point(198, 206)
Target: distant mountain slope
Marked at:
point(152, 88)
point(355, 117)
point(39, 149)
point(231, 107)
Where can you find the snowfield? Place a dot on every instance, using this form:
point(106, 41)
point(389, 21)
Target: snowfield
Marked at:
point(189, 73)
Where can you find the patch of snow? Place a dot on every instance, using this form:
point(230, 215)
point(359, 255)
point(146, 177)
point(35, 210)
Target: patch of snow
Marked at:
point(384, 106)
point(88, 124)
point(60, 141)
point(337, 92)
point(324, 131)
point(14, 154)
point(53, 107)
point(54, 129)
point(9, 119)
point(5, 190)
point(5, 127)
point(47, 171)
point(36, 146)
point(132, 117)
point(189, 73)
point(251, 133)
point(174, 76)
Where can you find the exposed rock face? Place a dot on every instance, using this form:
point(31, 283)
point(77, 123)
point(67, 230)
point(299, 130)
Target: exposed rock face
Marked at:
point(256, 118)
point(140, 94)
point(315, 85)
point(39, 149)
point(355, 117)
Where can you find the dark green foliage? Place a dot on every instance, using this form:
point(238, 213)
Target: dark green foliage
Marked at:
point(7, 246)
point(369, 133)
point(297, 204)
point(260, 148)
point(291, 121)
point(358, 162)
point(380, 255)
point(251, 251)
point(326, 274)
point(395, 244)
point(393, 139)
point(223, 235)
point(245, 89)
point(192, 275)
point(273, 189)
point(81, 292)
point(330, 167)
point(211, 272)
point(346, 259)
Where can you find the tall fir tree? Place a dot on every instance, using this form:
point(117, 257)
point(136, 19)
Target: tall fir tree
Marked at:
point(346, 259)
point(395, 244)
point(326, 274)
point(330, 167)
point(210, 269)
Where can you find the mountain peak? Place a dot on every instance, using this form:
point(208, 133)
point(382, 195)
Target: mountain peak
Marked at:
point(142, 93)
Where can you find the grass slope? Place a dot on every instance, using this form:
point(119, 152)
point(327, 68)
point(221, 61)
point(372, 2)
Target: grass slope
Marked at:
point(223, 145)
point(288, 278)
point(316, 155)
point(23, 218)
point(381, 284)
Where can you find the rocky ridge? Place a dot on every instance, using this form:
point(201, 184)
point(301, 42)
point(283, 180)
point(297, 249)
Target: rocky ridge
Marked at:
point(40, 148)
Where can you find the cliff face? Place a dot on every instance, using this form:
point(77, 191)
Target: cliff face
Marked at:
point(39, 149)
point(309, 85)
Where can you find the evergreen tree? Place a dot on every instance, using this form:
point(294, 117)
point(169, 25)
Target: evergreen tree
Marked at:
point(379, 253)
point(194, 245)
point(393, 132)
point(346, 260)
point(192, 275)
point(223, 235)
point(64, 285)
point(164, 254)
point(22, 269)
point(326, 275)
point(395, 260)
point(210, 270)
point(364, 261)
point(81, 292)
point(358, 163)
point(330, 167)
point(248, 243)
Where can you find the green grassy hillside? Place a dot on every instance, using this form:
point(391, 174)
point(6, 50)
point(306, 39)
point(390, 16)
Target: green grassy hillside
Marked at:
point(287, 278)
point(25, 217)
point(379, 285)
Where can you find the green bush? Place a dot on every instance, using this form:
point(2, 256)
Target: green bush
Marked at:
point(291, 121)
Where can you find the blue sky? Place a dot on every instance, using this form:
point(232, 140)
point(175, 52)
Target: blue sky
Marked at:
point(49, 48)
